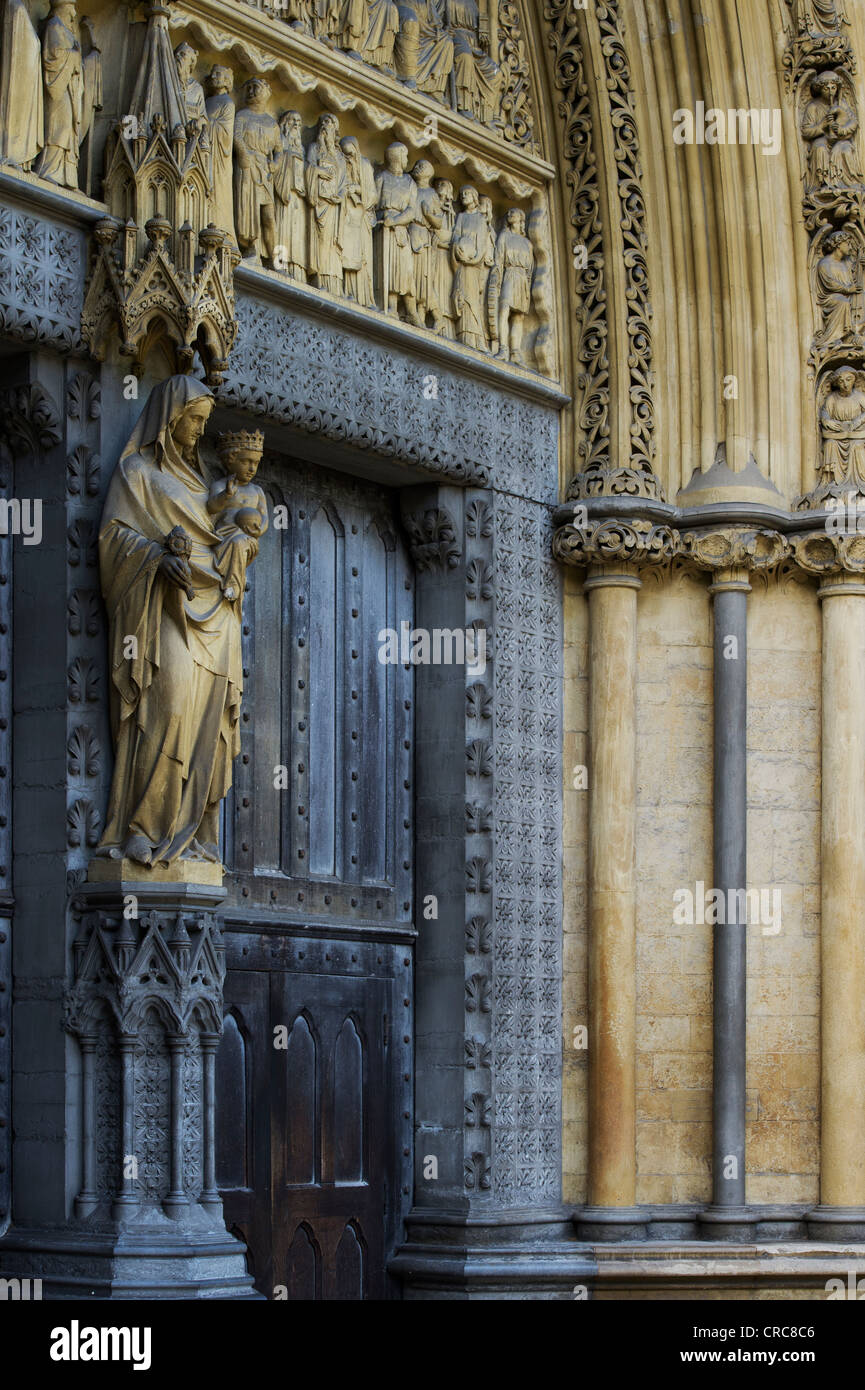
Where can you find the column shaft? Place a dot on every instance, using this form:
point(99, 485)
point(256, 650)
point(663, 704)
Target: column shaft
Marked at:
point(730, 873)
point(842, 1135)
point(612, 904)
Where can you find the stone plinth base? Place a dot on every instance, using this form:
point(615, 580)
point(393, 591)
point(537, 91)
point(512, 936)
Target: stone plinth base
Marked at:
point(180, 872)
point(513, 1255)
point(713, 1270)
point(151, 1257)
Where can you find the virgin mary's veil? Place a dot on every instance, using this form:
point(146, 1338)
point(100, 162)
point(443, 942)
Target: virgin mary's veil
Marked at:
point(165, 405)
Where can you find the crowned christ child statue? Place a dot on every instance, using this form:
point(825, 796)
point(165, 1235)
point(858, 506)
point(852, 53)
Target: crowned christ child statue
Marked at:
point(237, 505)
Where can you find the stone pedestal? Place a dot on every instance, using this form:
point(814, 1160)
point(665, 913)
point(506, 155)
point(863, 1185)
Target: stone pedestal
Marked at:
point(145, 1011)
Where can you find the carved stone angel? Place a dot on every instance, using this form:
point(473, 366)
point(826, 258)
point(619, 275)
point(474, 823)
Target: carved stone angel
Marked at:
point(829, 125)
point(838, 290)
point(842, 421)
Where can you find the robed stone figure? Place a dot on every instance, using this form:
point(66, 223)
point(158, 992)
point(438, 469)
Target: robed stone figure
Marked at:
point(174, 639)
point(22, 119)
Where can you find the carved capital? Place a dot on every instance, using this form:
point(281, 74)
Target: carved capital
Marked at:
point(637, 542)
point(734, 548)
point(822, 552)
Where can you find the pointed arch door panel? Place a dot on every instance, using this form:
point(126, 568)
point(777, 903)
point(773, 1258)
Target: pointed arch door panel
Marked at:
point(314, 1115)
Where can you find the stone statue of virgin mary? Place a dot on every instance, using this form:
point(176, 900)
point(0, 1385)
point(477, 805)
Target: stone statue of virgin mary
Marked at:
point(174, 638)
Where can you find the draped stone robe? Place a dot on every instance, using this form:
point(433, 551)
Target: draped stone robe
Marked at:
point(175, 700)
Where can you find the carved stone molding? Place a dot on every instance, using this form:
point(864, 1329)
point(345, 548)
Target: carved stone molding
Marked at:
point(596, 475)
point(29, 418)
point(432, 539)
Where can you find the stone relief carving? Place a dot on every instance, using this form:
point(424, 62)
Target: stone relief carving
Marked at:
point(220, 112)
point(842, 425)
point(291, 194)
point(257, 147)
point(829, 124)
point(468, 54)
point(185, 602)
point(49, 90)
point(820, 65)
point(326, 190)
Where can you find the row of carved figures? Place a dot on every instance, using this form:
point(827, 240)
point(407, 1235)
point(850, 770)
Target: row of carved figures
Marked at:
point(447, 48)
point(323, 215)
point(49, 90)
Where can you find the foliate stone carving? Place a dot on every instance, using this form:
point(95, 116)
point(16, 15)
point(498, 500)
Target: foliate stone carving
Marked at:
point(83, 613)
point(479, 758)
point(82, 752)
point(172, 576)
point(734, 547)
point(42, 268)
point(479, 519)
point(638, 541)
point(477, 1173)
point(596, 476)
point(83, 397)
point(478, 1053)
point(477, 1109)
point(82, 472)
point(829, 553)
point(29, 418)
point(479, 702)
point(593, 380)
point(432, 539)
point(478, 994)
point(82, 824)
point(479, 938)
point(82, 681)
point(478, 878)
point(161, 267)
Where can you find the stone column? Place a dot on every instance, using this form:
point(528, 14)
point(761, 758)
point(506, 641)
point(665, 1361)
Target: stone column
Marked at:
point(841, 1213)
point(726, 1218)
point(611, 1213)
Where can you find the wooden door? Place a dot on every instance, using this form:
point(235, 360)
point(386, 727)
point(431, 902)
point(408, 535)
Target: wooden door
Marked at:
point(313, 1078)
